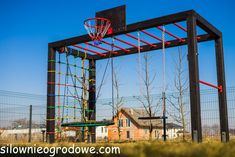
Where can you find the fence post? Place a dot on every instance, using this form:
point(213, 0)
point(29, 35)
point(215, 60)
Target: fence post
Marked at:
point(30, 122)
point(43, 135)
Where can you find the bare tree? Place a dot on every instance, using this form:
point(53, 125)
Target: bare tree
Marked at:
point(206, 131)
point(23, 124)
point(211, 130)
point(181, 86)
point(216, 130)
point(118, 103)
point(146, 99)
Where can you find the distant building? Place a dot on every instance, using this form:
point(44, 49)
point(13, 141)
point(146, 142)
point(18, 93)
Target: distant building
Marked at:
point(133, 128)
point(68, 133)
point(174, 130)
point(21, 134)
point(101, 133)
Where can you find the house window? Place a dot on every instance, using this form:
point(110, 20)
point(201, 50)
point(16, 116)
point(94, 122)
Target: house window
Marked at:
point(120, 123)
point(128, 122)
point(127, 134)
point(105, 130)
point(156, 133)
point(102, 129)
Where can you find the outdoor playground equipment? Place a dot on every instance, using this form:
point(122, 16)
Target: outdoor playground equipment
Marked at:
point(79, 91)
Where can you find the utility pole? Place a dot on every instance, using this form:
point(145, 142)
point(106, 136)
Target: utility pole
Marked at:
point(30, 123)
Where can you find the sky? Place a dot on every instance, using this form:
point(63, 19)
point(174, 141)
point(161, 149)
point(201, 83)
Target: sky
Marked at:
point(27, 26)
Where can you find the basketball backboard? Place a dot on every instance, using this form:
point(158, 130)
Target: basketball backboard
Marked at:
point(117, 16)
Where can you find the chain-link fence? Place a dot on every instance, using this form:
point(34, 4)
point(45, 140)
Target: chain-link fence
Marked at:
point(14, 113)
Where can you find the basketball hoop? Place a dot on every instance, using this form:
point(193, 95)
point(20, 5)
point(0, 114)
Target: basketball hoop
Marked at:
point(97, 28)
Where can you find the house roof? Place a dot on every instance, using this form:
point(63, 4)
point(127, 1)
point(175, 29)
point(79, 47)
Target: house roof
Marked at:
point(173, 125)
point(134, 114)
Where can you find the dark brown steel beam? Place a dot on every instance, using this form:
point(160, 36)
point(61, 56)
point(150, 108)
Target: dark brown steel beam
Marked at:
point(50, 125)
point(206, 26)
point(178, 17)
point(148, 118)
point(92, 98)
point(194, 80)
point(78, 53)
point(81, 54)
point(224, 129)
point(146, 48)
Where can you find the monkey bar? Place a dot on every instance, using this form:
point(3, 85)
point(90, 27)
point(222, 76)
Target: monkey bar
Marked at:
point(220, 88)
point(154, 36)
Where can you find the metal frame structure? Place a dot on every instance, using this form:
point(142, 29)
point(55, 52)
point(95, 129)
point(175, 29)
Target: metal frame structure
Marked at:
point(193, 20)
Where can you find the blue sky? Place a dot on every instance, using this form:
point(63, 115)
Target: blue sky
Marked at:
point(27, 26)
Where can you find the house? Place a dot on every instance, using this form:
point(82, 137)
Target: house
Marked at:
point(67, 134)
point(21, 134)
point(101, 133)
point(132, 128)
point(74, 133)
point(174, 130)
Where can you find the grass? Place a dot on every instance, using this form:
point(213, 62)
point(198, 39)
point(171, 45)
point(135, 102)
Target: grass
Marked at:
point(159, 149)
point(178, 149)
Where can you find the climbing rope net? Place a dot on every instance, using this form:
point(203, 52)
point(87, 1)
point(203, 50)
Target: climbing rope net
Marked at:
point(71, 90)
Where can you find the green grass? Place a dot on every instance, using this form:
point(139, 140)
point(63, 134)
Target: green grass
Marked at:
point(177, 149)
point(161, 149)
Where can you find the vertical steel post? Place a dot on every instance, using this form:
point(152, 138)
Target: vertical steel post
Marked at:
point(164, 116)
point(50, 126)
point(92, 98)
point(224, 129)
point(30, 123)
point(194, 79)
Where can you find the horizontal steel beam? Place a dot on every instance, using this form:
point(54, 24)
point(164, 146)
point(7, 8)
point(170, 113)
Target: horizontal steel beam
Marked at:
point(206, 26)
point(148, 118)
point(145, 48)
point(164, 20)
point(78, 53)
